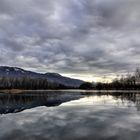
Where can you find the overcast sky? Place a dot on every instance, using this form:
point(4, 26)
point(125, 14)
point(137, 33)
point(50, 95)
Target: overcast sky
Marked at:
point(85, 39)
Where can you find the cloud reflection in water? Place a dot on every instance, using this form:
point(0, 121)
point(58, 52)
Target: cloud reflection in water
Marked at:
point(91, 117)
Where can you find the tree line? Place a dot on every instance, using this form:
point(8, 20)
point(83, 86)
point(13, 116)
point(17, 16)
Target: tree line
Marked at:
point(28, 83)
point(125, 82)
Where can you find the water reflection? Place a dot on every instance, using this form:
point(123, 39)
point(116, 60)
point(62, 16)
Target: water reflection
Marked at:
point(12, 103)
point(131, 97)
point(74, 116)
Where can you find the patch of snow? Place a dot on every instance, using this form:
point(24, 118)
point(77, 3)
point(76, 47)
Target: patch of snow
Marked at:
point(16, 69)
point(22, 71)
point(7, 70)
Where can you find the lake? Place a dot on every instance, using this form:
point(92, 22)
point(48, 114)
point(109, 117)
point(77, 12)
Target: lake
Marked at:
point(70, 115)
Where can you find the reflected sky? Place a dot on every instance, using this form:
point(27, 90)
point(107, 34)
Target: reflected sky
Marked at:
point(90, 116)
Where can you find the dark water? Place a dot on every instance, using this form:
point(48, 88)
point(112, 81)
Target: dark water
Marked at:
point(70, 115)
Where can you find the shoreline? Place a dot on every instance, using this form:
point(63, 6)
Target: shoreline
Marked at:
point(18, 91)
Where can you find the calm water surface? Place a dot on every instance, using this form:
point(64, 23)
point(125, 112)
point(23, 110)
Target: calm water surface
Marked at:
point(70, 115)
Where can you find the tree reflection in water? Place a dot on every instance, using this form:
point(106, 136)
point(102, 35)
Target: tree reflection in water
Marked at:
point(12, 103)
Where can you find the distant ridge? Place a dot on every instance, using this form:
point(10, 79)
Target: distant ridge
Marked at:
point(52, 77)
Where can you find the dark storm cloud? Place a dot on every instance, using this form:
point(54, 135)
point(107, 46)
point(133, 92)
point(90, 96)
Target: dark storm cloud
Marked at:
point(70, 36)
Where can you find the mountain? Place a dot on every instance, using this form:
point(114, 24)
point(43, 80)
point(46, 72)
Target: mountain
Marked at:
point(52, 77)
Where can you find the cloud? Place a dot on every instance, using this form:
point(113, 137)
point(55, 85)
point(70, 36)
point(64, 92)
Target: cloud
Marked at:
point(71, 37)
